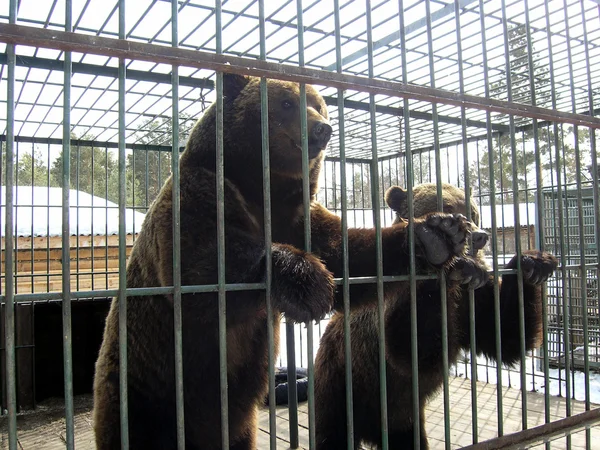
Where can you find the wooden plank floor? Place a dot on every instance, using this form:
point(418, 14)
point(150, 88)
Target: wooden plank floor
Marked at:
point(45, 428)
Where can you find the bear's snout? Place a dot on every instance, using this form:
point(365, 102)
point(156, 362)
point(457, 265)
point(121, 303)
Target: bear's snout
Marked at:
point(480, 238)
point(320, 134)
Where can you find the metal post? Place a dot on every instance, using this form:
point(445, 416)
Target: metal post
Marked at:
point(9, 318)
point(221, 242)
point(66, 242)
point(122, 246)
point(177, 307)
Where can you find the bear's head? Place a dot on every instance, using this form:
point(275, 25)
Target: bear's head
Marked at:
point(425, 201)
point(242, 131)
point(242, 102)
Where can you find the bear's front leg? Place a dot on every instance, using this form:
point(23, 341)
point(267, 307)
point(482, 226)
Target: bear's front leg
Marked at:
point(536, 267)
point(439, 237)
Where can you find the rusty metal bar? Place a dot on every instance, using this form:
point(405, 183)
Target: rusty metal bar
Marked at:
point(543, 433)
point(61, 40)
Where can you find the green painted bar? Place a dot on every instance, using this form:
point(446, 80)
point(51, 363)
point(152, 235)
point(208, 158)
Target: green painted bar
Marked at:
point(9, 319)
point(438, 179)
point(596, 195)
point(546, 345)
point(411, 240)
point(122, 294)
point(567, 313)
point(494, 237)
point(221, 240)
point(177, 307)
point(66, 243)
point(264, 110)
point(374, 172)
point(582, 262)
point(307, 232)
point(515, 189)
point(345, 249)
point(472, 334)
point(540, 209)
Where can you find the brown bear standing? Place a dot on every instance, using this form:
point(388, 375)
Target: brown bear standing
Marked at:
point(302, 285)
point(466, 271)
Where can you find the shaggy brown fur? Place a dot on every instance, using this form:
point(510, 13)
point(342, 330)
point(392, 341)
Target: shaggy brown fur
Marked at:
point(466, 271)
point(302, 283)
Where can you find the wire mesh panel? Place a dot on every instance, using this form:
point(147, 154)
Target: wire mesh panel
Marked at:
point(498, 99)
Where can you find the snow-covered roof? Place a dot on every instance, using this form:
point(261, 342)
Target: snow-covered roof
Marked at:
point(38, 212)
point(505, 215)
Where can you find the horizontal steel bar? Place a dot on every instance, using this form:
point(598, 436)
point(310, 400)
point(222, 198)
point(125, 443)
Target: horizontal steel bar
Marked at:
point(542, 433)
point(106, 71)
point(395, 111)
point(61, 40)
point(203, 289)
point(204, 83)
point(87, 143)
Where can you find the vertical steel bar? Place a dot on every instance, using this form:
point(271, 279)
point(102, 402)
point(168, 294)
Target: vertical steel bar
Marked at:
point(472, 334)
point(221, 240)
point(442, 277)
point(292, 391)
point(494, 238)
point(416, 410)
point(345, 248)
point(375, 202)
point(66, 241)
point(122, 245)
point(596, 198)
point(177, 306)
point(580, 221)
point(9, 317)
point(540, 229)
point(567, 306)
point(307, 236)
point(517, 222)
point(547, 417)
point(264, 109)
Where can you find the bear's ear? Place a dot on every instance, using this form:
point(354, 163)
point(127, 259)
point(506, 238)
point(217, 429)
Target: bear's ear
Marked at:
point(395, 197)
point(233, 84)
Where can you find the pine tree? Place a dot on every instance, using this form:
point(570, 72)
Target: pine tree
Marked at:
point(524, 166)
point(147, 170)
point(94, 170)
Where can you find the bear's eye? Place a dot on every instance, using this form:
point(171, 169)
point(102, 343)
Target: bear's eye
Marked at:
point(287, 104)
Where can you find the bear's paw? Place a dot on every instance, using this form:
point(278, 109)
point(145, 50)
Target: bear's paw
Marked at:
point(302, 287)
point(537, 266)
point(469, 271)
point(442, 236)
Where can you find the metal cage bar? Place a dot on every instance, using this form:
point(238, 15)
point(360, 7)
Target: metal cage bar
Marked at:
point(176, 205)
point(9, 316)
point(66, 243)
point(221, 239)
point(122, 292)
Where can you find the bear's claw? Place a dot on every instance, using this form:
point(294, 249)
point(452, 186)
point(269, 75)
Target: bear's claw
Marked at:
point(470, 271)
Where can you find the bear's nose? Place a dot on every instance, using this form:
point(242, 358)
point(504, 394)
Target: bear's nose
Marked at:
point(480, 238)
point(321, 133)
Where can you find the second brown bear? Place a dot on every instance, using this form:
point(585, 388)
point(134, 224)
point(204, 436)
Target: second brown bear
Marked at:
point(330, 390)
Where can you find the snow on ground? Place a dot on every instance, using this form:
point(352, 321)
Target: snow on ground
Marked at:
point(38, 212)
